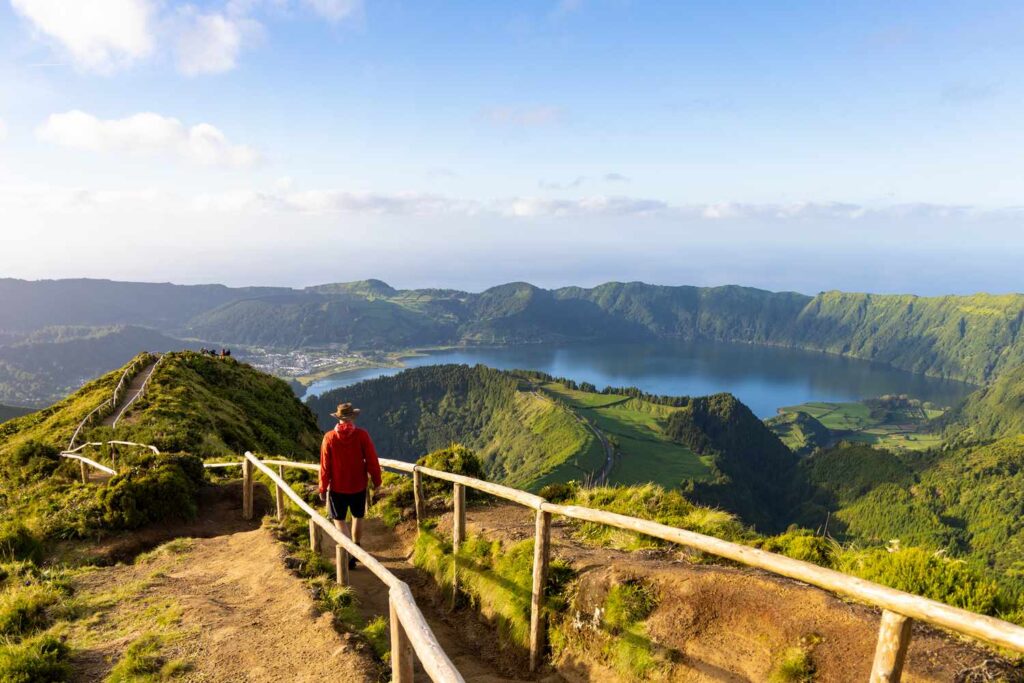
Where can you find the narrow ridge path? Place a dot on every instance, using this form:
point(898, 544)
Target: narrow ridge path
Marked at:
point(391, 550)
point(134, 388)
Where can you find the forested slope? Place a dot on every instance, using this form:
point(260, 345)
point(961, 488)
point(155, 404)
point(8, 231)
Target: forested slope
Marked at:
point(55, 361)
point(532, 429)
point(972, 338)
point(994, 411)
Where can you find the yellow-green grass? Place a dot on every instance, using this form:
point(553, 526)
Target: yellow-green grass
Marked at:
point(854, 422)
point(636, 427)
point(644, 453)
point(837, 416)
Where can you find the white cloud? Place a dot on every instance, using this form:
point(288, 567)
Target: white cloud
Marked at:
point(145, 134)
point(3, 130)
point(99, 35)
point(211, 43)
point(523, 116)
point(334, 10)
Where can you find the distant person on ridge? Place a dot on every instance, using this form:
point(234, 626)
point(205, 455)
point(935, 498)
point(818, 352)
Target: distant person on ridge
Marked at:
point(347, 459)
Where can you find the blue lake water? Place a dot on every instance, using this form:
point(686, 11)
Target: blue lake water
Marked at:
point(765, 378)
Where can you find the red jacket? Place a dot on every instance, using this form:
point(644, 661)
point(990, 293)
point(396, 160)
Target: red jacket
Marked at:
point(347, 456)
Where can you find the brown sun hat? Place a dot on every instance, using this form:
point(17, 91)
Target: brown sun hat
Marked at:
point(345, 411)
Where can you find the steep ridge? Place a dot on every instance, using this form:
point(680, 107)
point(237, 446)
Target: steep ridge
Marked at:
point(130, 395)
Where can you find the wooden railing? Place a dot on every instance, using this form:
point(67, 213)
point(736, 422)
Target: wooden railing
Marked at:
point(74, 454)
point(898, 608)
point(110, 404)
point(410, 632)
point(142, 390)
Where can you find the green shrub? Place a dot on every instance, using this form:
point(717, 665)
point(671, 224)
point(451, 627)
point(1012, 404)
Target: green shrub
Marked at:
point(23, 609)
point(629, 649)
point(497, 579)
point(652, 502)
point(37, 660)
point(794, 665)
point(926, 573)
point(143, 494)
point(377, 633)
point(559, 492)
point(456, 459)
point(801, 544)
point(18, 543)
point(33, 460)
point(627, 603)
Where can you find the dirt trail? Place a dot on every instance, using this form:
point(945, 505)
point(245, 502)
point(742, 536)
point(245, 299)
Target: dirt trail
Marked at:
point(227, 606)
point(393, 549)
point(134, 387)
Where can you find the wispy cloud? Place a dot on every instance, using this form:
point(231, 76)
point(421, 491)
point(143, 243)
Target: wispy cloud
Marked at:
point(98, 35)
point(615, 178)
point(106, 35)
point(211, 43)
point(571, 185)
point(145, 134)
point(523, 116)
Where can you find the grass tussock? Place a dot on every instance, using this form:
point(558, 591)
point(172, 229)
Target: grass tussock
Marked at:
point(496, 579)
point(650, 502)
point(144, 661)
point(42, 659)
point(795, 664)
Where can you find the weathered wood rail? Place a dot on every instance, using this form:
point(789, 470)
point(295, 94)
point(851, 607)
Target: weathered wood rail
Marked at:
point(898, 609)
point(101, 411)
point(410, 633)
point(74, 454)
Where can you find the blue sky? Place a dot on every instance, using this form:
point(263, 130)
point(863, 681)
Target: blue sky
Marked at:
point(872, 145)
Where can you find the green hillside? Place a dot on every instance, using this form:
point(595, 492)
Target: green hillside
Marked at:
point(994, 411)
point(897, 422)
point(967, 501)
point(48, 364)
point(523, 438)
point(972, 338)
point(532, 429)
point(800, 431)
point(216, 406)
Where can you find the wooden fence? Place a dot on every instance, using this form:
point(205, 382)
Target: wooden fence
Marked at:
point(110, 405)
point(898, 608)
point(410, 632)
point(74, 454)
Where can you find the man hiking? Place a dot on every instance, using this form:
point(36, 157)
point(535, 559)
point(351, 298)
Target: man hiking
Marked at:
point(347, 458)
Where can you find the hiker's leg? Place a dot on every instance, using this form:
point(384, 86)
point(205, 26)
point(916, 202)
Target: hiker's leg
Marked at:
point(342, 527)
point(357, 529)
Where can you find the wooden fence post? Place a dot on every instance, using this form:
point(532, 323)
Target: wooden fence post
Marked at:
point(279, 495)
point(247, 507)
point(417, 493)
point(891, 651)
point(401, 647)
point(340, 565)
point(314, 536)
point(458, 535)
point(541, 554)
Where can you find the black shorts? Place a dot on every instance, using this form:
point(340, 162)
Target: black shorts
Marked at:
point(339, 504)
